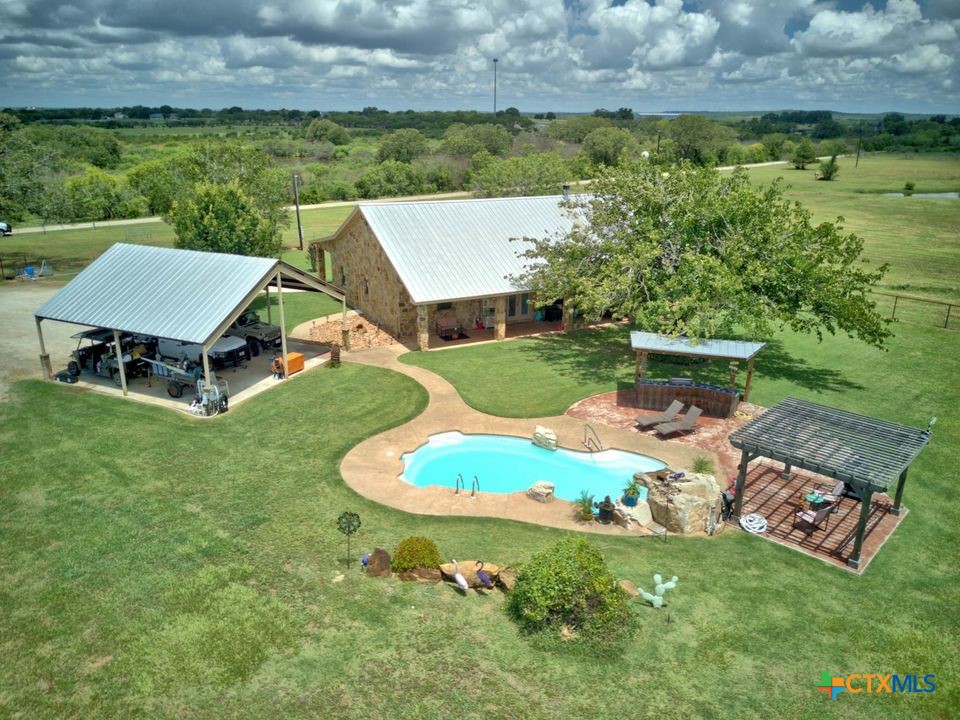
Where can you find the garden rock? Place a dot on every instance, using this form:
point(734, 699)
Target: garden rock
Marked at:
point(379, 563)
point(508, 578)
point(544, 437)
point(541, 491)
point(421, 574)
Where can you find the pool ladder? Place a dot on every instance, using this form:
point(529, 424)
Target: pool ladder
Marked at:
point(460, 483)
point(591, 441)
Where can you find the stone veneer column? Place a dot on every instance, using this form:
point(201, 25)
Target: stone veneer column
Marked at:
point(500, 318)
point(423, 327)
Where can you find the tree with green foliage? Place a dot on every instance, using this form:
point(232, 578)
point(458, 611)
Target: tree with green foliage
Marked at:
point(95, 195)
point(22, 167)
point(541, 174)
point(326, 130)
point(157, 183)
point(460, 139)
point(402, 146)
point(698, 139)
point(391, 178)
point(698, 253)
point(569, 587)
point(575, 129)
point(804, 154)
point(604, 146)
point(222, 217)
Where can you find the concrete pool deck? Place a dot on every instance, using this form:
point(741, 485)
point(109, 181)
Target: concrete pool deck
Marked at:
point(373, 467)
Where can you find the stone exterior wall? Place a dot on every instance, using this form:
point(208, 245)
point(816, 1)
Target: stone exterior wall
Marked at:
point(359, 265)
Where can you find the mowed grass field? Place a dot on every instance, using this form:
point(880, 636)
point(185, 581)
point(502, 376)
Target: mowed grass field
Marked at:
point(155, 565)
point(918, 237)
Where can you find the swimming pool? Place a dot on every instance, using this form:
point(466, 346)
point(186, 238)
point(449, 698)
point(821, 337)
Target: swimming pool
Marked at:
point(506, 464)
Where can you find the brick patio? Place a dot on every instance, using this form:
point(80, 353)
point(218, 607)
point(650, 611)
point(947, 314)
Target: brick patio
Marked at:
point(766, 492)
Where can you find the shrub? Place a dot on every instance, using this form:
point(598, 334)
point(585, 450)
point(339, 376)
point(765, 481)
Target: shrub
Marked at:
point(569, 585)
point(829, 169)
point(703, 465)
point(416, 551)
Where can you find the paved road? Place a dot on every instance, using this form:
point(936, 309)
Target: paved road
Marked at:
point(334, 204)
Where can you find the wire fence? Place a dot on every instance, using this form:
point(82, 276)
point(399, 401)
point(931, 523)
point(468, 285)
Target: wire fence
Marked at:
point(919, 311)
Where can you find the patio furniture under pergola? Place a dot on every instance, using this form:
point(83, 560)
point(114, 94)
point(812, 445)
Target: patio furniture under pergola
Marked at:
point(866, 453)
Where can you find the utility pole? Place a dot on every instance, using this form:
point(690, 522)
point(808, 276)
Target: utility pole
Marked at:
point(296, 199)
point(495, 61)
point(859, 143)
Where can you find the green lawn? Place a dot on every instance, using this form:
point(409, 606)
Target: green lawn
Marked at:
point(916, 236)
point(298, 307)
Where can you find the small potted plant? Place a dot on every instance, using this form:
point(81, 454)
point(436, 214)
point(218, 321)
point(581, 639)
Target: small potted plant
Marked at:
point(585, 506)
point(631, 493)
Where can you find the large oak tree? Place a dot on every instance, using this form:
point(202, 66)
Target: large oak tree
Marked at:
point(701, 253)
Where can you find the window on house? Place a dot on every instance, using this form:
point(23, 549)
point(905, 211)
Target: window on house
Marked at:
point(445, 306)
point(525, 304)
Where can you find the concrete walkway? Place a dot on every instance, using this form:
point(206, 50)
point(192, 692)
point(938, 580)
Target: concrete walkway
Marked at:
point(373, 467)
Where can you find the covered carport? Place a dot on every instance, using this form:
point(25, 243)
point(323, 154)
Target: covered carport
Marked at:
point(869, 455)
point(183, 295)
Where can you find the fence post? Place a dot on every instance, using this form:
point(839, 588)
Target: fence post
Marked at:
point(894, 313)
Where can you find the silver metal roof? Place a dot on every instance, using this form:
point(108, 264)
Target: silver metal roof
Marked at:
point(708, 347)
point(454, 249)
point(178, 294)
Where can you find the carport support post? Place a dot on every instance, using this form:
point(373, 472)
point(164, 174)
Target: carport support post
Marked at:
point(118, 352)
point(44, 356)
point(206, 368)
point(865, 501)
point(269, 317)
point(283, 327)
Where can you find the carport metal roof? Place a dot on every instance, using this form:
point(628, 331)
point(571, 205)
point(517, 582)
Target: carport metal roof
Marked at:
point(165, 292)
point(867, 453)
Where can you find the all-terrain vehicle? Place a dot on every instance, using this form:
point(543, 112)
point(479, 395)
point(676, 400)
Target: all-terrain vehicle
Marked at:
point(257, 334)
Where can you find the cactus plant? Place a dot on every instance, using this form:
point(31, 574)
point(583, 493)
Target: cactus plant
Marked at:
point(660, 587)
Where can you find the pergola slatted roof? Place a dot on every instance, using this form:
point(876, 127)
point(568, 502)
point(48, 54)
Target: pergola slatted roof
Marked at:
point(705, 347)
point(864, 452)
point(843, 445)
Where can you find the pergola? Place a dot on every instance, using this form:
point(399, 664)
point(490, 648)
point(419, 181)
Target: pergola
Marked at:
point(644, 343)
point(866, 453)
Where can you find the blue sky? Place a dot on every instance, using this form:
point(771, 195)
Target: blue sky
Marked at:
point(561, 55)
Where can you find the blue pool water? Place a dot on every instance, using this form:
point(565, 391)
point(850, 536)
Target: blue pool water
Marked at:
point(506, 464)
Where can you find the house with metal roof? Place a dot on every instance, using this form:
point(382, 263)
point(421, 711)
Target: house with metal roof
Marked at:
point(419, 268)
point(169, 293)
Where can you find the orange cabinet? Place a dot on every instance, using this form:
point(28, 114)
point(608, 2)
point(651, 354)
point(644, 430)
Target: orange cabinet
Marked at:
point(294, 362)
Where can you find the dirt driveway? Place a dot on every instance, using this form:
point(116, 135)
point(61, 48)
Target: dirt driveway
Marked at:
point(20, 354)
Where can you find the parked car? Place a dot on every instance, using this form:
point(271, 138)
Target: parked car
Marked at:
point(256, 333)
point(6, 229)
point(225, 352)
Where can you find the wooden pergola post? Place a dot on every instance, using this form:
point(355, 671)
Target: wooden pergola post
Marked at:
point(732, 376)
point(283, 328)
point(741, 483)
point(118, 353)
point(865, 501)
point(641, 374)
point(746, 389)
point(896, 509)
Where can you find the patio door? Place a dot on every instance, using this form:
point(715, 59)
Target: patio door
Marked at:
point(518, 307)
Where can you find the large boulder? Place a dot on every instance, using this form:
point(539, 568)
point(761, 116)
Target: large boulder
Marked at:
point(421, 574)
point(541, 491)
point(468, 568)
point(679, 513)
point(379, 563)
point(699, 484)
point(544, 437)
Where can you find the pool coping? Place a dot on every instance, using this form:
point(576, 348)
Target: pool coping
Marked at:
point(373, 467)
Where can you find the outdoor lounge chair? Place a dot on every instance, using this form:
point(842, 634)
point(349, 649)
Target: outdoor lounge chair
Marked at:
point(685, 425)
point(836, 492)
point(813, 518)
point(645, 421)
